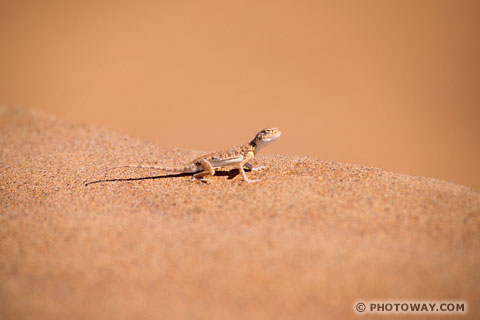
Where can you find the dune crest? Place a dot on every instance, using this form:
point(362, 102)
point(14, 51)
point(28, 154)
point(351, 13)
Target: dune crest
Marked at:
point(307, 242)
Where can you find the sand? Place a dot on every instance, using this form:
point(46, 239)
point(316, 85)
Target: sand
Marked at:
point(307, 242)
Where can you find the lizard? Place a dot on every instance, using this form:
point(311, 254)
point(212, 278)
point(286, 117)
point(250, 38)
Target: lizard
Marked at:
point(204, 167)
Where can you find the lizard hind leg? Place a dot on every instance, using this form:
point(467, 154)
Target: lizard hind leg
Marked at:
point(208, 171)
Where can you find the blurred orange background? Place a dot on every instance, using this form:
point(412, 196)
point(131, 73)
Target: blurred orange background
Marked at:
point(390, 84)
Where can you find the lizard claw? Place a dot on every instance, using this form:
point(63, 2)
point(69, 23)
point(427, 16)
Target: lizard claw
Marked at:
point(257, 168)
point(202, 180)
point(251, 168)
point(253, 181)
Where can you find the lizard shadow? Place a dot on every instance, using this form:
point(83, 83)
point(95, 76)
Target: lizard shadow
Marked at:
point(230, 174)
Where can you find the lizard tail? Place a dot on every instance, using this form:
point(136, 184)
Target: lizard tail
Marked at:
point(190, 168)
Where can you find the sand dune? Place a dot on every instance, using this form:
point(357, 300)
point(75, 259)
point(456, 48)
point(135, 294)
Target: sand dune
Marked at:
point(307, 242)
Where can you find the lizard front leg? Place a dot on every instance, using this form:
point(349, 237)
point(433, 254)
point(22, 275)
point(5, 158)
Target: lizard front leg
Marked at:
point(248, 156)
point(251, 168)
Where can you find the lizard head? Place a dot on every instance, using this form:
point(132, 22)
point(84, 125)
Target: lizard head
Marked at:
point(265, 137)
